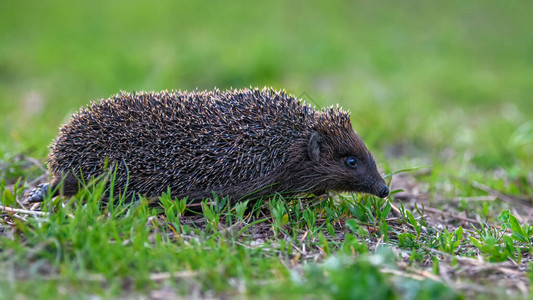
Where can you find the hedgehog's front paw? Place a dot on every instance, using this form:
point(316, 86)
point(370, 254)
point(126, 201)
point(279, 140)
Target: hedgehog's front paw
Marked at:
point(38, 194)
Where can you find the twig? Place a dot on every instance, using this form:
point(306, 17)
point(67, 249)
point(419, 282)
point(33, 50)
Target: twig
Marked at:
point(36, 162)
point(23, 211)
point(502, 196)
point(450, 215)
point(403, 274)
point(478, 198)
point(396, 209)
point(95, 277)
point(524, 203)
point(173, 275)
point(38, 179)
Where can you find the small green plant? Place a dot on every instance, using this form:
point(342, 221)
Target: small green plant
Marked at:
point(309, 217)
point(490, 247)
point(497, 245)
point(352, 246)
point(449, 241)
point(212, 214)
point(240, 209)
point(7, 197)
point(414, 223)
point(280, 214)
point(172, 207)
point(407, 240)
point(523, 234)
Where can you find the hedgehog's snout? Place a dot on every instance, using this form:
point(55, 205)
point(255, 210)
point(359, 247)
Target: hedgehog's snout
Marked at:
point(377, 186)
point(383, 192)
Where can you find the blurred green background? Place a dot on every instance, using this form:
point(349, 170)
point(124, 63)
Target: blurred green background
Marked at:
point(444, 83)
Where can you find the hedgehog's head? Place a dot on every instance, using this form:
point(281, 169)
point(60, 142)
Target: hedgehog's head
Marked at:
point(340, 157)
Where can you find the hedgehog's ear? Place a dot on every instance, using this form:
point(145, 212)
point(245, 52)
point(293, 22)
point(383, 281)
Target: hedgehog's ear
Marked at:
point(313, 148)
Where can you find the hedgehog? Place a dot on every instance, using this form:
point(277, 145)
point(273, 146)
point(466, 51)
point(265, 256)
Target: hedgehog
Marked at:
point(239, 144)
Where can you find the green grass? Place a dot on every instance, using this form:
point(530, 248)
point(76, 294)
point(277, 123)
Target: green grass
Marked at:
point(94, 249)
point(442, 90)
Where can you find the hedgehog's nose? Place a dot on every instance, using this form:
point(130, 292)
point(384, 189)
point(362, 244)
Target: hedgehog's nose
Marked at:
point(384, 192)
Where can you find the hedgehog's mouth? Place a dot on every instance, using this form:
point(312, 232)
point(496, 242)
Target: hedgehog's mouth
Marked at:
point(382, 192)
point(378, 188)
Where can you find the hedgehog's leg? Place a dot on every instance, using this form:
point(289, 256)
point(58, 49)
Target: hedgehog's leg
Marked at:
point(67, 187)
point(38, 194)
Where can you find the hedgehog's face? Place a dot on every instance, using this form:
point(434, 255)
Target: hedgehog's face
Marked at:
point(344, 164)
point(361, 175)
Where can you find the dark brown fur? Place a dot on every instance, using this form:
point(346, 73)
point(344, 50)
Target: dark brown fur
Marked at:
point(241, 144)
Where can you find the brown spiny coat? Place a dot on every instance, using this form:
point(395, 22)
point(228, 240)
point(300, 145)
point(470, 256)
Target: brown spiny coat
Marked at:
point(238, 143)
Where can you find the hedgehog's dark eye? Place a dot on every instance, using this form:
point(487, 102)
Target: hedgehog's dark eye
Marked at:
point(351, 162)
